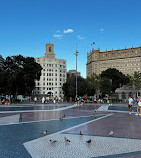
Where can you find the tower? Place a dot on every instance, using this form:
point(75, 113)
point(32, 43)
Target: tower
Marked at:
point(50, 51)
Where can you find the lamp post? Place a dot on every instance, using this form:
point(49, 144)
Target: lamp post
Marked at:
point(76, 71)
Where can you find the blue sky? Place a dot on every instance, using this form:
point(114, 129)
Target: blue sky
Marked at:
point(27, 25)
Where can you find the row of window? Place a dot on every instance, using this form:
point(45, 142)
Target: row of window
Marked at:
point(50, 84)
point(51, 74)
point(53, 70)
point(53, 65)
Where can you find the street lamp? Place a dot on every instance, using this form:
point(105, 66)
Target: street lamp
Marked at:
point(76, 71)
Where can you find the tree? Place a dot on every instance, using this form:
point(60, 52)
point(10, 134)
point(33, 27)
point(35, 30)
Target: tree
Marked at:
point(69, 88)
point(116, 78)
point(94, 81)
point(135, 80)
point(21, 73)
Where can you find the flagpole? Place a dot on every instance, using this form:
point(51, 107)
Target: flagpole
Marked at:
point(76, 71)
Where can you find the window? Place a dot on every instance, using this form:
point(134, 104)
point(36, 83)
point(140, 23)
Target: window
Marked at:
point(49, 74)
point(55, 74)
point(43, 79)
point(60, 75)
point(56, 83)
point(49, 49)
point(43, 88)
point(43, 74)
point(44, 83)
point(55, 79)
point(55, 65)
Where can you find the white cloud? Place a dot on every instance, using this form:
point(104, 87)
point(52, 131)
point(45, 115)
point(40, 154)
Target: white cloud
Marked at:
point(58, 31)
point(80, 37)
point(69, 31)
point(57, 36)
point(101, 29)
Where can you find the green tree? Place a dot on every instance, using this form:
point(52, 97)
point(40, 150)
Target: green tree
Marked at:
point(94, 81)
point(21, 73)
point(116, 78)
point(135, 80)
point(69, 88)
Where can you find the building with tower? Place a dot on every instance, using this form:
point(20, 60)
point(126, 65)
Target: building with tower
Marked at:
point(53, 74)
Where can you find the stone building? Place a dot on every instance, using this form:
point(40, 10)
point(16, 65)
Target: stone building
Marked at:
point(125, 60)
point(53, 74)
point(73, 73)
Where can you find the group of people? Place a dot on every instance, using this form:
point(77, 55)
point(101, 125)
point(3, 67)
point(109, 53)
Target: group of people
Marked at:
point(137, 101)
point(6, 101)
point(49, 99)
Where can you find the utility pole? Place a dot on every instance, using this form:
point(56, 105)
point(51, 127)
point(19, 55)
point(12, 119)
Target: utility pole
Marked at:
point(76, 71)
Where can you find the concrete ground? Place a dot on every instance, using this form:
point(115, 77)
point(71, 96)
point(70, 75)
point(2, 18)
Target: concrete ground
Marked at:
point(112, 131)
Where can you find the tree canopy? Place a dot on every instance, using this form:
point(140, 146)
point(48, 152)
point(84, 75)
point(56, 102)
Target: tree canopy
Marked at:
point(18, 75)
point(84, 87)
point(116, 78)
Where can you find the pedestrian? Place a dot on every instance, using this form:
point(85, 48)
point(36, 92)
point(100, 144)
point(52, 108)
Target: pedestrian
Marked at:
point(43, 100)
point(139, 105)
point(130, 103)
point(35, 100)
point(7, 101)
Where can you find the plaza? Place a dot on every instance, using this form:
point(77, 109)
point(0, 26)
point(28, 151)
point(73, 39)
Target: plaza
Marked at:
point(22, 127)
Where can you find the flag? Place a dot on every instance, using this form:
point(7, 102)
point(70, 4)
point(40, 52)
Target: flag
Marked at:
point(93, 42)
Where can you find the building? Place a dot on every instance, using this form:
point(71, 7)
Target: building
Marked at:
point(73, 73)
point(53, 74)
point(125, 60)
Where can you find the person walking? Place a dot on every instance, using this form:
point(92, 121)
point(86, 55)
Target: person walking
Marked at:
point(130, 103)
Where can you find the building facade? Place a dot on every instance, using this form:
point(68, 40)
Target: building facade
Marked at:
point(125, 60)
point(73, 73)
point(53, 74)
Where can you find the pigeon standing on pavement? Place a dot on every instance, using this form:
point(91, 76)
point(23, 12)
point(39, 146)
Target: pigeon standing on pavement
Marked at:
point(66, 140)
point(52, 141)
point(80, 133)
point(44, 133)
point(88, 141)
point(111, 133)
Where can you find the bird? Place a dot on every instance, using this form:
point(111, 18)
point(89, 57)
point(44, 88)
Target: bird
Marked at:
point(60, 118)
point(54, 141)
point(80, 133)
point(88, 141)
point(111, 133)
point(64, 115)
point(44, 132)
point(66, 140)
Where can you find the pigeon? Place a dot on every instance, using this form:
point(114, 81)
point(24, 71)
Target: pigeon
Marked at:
point(54, 141)
point(88, 141)
point(44, 132)
point(94, 116)
point(80, 133)
point(66, 140)
point(111, 133)
point(60, 118)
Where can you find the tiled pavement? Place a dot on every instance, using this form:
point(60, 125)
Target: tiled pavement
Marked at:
point(124, 127)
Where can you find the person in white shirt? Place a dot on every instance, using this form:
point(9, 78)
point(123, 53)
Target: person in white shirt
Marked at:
point(130, 103)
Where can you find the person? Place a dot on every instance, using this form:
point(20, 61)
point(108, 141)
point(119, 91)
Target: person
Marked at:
point(139, 105)
point(130, 103)
point(7, 101)
point(110, 100)
point(43, 100)
point(35, 100)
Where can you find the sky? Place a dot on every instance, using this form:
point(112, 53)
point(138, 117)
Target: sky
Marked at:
point(27, 25)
